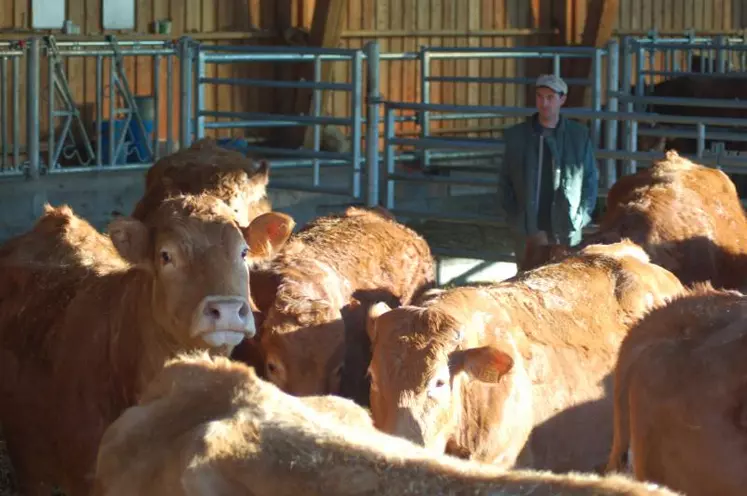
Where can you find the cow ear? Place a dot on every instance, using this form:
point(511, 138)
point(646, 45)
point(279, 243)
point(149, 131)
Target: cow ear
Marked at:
point(261, 175)
point(267, 234)
point(376, 311)
point(131, 239)
point(486, 364)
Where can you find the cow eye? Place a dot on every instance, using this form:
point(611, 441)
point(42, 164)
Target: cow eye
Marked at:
point(165, 257)
point(244, 252)
point(440, 383)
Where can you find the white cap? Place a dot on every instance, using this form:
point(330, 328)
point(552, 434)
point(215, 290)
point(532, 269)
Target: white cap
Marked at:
point(553, 82)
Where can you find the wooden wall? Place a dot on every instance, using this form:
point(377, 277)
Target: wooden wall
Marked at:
point(399, 25)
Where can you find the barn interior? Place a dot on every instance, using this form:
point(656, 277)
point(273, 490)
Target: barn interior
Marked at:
point(398, 103)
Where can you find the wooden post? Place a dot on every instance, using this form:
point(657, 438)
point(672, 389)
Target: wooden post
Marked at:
point(283, 72)
point(598, 27)
point(326, 28)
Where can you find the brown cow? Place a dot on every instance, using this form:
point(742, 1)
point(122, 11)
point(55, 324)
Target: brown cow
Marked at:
point(513, 373)
point(206, 167)
point(695, 86)
point(686, 216)
point(680, 403)
point(210, 426)
point(79, 349)
point(331, 270)
point(62, 239)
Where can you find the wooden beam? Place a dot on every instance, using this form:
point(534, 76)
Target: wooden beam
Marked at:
point(326, 27)
point(598, 28)
point(600, 22)
point(282, 21)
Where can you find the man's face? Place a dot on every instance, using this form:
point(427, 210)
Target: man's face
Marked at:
point(548, 103)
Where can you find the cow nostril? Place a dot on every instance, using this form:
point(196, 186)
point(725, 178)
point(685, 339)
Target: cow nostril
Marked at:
point(212, 312)
point(244, 310)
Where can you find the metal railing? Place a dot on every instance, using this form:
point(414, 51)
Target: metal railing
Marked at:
point(73, 145)
point(427, 55)
point(636, 93)
point(315, 158)
point(10, 109)
point(127, 142)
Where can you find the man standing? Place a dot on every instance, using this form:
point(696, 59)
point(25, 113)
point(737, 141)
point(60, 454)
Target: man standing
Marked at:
point(549, 178)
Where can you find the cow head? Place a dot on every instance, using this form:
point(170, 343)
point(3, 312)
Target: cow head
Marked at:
point(246, 193)
point(303, 334)
point(423, 359)
point(207, 168)
point(197, 258)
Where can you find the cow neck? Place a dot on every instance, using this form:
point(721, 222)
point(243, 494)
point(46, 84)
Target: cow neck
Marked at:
point(511, 400)
point(139, 344)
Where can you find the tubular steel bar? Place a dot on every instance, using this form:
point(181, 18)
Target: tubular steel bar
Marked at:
point(356, 101)
point(372, 124)
point(32, 105)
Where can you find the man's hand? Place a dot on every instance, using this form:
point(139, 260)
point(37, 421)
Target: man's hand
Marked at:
point(538, 239)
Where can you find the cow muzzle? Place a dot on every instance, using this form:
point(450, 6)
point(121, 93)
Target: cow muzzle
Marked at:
point(224, 321)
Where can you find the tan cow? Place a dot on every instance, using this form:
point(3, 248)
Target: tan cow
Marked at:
point(80, 348)
point(209, 426)
point(514, 373)
point(680, 402)
point(331, 270)
point(686, 216)
point(206, 167)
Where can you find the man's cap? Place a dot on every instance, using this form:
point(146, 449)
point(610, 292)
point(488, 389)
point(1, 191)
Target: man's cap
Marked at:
point(553, 82)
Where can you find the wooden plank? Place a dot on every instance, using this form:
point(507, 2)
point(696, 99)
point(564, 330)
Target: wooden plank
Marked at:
point(7, 21)
point(160, 10)
point(260, 98)
point(192, 12)
point(143, 84)
point(486, 22)
point(92, 25)
point(225, 95)
point(511, 17)
point(395, 72)
point(75, 74)
point(722, 21)
point(500, 9)
point(689, 14)
point(207, 25)
point(281, 15)
point(339, 103)
point(540, 16)
point(473, 66)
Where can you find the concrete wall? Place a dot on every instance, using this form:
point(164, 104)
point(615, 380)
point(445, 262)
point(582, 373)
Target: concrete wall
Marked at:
point(98, 196)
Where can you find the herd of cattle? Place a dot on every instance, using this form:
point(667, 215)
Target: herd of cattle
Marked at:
point(203, 347)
